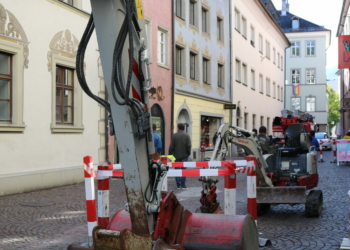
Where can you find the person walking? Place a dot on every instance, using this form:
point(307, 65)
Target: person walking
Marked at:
point(180, 148)
point(157, 143)
point(314, 141)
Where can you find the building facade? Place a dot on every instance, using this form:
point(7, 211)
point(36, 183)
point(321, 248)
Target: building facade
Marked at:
point(344, 73)
point(47, 123)
point(202, 69)
point(306, 86)
point(258, 53)
point(160, 53)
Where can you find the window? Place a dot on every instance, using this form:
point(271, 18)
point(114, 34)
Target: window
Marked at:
point(220, 75)
point(278, 92)
point(238, 70)
point(310, 48)
point(295, 49)
point(252, 74)
point(244, 74)
point(64, 95)
point(261, 121)
point(268, 86)
point(237, 20)
point(310, 104)
point(205, 20)
point(193, 13)
point(206, 70)
point(261, 84)
point(253, 121)
point(180, 8)
point(260, 44)
point(295, 76)
point(75, 3)
point(244, 27)
point(162, 47)
point(220, 29)
point(252, 36)
point(282, 94)
point(282, 62)
point(278, 60)
point(267, 49)
point(274, 55)
point(295, 23)
point(245, 120)
point(268, 125)
point(209, 126)
point(274, 90)
point(180, 61)
point(310, 76)
point(296, 103)
point(5, 87)
point(193, 66)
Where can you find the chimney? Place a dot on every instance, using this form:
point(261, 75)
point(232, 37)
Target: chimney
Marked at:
point(285, 7)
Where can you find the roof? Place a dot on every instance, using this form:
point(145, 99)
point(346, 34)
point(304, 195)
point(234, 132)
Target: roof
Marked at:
point(304, 25)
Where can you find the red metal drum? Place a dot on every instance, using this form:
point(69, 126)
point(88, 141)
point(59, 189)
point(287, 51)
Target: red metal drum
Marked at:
point(220, 231)
point(207, 231)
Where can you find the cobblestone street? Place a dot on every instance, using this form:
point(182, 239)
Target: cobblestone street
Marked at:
point(55, 218)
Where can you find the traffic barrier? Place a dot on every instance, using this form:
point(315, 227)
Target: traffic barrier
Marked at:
point(90, 196)
point(334, 146)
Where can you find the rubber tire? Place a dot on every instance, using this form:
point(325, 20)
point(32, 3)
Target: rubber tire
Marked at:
point(263, 208)
point(314, 202)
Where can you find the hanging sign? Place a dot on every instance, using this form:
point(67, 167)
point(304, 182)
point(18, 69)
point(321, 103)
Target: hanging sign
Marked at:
point(344, 52)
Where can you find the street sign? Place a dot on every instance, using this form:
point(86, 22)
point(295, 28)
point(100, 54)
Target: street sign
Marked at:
point(229, 106)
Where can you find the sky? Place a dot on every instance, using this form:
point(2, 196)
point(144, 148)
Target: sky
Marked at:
point(320, 12)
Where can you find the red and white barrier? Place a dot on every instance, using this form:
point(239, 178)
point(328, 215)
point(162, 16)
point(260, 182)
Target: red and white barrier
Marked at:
point(334, 147)
point(321, 153)
point(251, 188)
point(334, 151)
point(103, 197)
point(90, 196)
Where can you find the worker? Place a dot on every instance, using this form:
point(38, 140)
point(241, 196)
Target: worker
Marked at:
point(157, 143)
point(347, 136)
point(314, 141)
point(262, 135)
point(180, 147)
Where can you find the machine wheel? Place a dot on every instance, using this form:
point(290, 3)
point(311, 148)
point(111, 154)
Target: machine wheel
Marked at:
point(263, 208)
point(314, 202)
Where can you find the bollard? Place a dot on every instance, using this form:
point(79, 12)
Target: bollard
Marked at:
point(251, 188)
point(90, 196)
point(321, 156)
point(103, 197)
point(334, 151)
point(230, 183)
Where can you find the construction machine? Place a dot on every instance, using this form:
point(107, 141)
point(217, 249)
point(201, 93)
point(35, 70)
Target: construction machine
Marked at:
point(284, 174)
point(151, 219)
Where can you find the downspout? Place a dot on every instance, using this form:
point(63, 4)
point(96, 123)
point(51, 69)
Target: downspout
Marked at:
point(230, 48)
point(172, 68)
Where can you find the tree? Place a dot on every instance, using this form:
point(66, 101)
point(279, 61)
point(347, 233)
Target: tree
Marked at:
point(333, 108)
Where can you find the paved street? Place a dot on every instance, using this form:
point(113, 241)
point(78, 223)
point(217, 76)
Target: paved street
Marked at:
point(55, 218)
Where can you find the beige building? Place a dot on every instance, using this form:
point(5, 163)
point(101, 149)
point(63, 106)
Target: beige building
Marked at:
point(258, 64)
point(47, 123)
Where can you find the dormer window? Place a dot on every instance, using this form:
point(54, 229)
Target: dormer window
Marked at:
point(295, 23)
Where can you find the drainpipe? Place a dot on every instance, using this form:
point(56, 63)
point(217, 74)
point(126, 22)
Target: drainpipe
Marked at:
point(172, 68)
point(230, 48)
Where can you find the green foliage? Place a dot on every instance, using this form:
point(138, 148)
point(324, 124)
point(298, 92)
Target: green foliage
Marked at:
point(333, 107)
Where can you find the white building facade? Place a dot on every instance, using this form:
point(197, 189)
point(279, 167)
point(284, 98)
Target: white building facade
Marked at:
point(47, 123)
point(306, 85)
point(258, 53)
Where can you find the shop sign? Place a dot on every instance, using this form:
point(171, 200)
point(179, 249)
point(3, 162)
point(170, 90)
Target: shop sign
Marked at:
point(229, 106)
point(344, 52)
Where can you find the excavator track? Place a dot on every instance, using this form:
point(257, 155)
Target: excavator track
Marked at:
point(314, 202)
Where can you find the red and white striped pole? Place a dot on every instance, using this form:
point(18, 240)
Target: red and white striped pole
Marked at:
point(251, 188)
point(90, 196)
point(334, 151)
point(230, 191)
point(321, 156)
point(103, 196)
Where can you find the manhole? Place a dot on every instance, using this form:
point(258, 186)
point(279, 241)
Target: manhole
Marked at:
point(37, 203)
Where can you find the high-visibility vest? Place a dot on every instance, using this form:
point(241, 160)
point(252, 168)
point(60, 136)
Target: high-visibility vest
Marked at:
point(171, 158)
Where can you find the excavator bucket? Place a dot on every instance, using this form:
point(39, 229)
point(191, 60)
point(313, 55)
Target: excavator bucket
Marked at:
point(281, 195)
